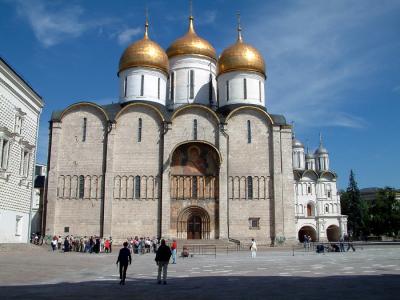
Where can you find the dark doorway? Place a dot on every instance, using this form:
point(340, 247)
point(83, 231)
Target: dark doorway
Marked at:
point(308, 231)
point(333, 233)
point(194, 228)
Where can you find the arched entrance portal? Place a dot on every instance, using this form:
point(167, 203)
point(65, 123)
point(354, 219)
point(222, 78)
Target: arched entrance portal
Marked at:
point(194, 190)
point(333, 233)
point(193, 223)
point(308, 231)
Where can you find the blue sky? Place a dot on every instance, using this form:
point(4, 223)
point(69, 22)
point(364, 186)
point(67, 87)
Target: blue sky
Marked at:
point(333, 66)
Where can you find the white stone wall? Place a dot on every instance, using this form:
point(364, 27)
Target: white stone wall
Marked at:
point(249, 159)
point(136, 216)
point(16, 189)
point(255, 88)
point(182, 126)
point(130, 84)
point(72, 157)
point(202, 67)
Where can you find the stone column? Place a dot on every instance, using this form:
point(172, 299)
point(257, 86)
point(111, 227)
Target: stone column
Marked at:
point(283, 201)
point(109, 184)
point(223, 185)
point(165, 213)
point(51, 205)
point(288, 197)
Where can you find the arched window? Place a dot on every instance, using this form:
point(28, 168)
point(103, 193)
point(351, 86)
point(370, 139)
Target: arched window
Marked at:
point(142, 85)
point(244, 88)
point(249, 187)
point(259, 90)
point(326, 208)
point(310, 210)
point(172, 88)
point(248, 132)
point(309, 189)
point(210, 89)
point(139, 139)
point(191, 84)
point(125, 86)
point(227, 90)
point(84, 127)
point(81, 187)
point(194, 187)
point(195, 129)
point(137, 187)
point(158, 88)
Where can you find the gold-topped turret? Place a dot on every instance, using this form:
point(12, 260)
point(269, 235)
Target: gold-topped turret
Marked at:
point(144, 53)
point(191, 44)
point(241, 56)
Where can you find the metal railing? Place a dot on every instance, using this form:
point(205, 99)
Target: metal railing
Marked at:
point(200, 249)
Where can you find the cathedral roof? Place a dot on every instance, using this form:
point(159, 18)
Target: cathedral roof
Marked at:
point(113, 109)
point(241, 56)
point(191, 44)
point(227, 109)
point(144, 53)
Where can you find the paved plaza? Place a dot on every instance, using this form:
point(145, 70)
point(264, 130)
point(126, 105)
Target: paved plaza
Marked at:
point(369, 273)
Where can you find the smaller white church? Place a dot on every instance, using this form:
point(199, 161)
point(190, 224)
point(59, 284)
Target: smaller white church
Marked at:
point(317, 202)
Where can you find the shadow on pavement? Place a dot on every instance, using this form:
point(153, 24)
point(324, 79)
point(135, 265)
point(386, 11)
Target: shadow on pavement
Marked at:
point(217, 287)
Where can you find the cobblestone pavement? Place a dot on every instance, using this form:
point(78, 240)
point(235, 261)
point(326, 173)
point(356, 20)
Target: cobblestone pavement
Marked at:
point(369, 273)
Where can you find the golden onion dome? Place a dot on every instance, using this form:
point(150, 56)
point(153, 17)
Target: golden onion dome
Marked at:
point(191, 44)
point(144, 53)
point(241, 56)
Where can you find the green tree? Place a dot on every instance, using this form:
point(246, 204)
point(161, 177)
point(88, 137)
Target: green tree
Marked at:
point(384, 213)
point(354, 208)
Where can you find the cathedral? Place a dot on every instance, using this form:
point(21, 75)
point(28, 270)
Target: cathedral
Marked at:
point(190, 151)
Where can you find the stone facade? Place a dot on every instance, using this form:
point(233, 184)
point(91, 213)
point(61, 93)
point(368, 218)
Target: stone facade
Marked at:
point(20, 108)
point(123, 150)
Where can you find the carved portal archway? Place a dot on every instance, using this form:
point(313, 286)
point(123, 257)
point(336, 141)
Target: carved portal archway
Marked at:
point(193, 223)
point(194, 190)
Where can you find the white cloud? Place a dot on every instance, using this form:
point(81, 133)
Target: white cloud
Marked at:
point(126, 36)
point(316, 53)
point(53, 23)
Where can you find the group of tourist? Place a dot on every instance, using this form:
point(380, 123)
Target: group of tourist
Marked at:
point(142, 245)
point(337, 247)
point(92, 244)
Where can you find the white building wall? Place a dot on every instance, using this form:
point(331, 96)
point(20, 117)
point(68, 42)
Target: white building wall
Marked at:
point(132, 78)
point(202, 67)
point(16, 189)
point(255, 88)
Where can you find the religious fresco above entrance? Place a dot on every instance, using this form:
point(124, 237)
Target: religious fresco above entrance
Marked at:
point(194, 159)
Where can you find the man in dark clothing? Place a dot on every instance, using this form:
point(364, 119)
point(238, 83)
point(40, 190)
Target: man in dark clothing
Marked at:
point(66, 245)
point(162, 259)
point(123, 258)
point(349, 241)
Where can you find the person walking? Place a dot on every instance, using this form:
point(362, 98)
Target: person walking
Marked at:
point(349, 240)
point(123, 258)
point(173, 250)
point(54, 244)
point(162, 259)
point(341, 244)
point(253, 248)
